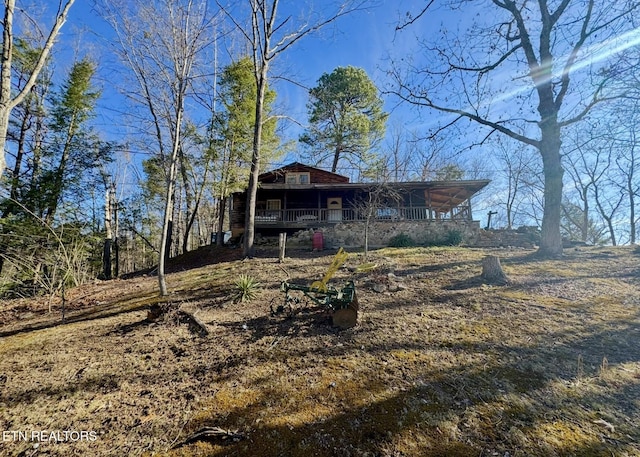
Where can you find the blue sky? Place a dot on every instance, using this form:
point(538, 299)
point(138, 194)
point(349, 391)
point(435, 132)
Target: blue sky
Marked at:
point(364, 39)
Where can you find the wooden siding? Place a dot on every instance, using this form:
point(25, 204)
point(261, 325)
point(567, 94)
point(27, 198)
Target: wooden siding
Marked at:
point(316, 175)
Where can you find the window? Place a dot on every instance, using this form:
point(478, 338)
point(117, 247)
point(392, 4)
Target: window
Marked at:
point(298, 178)
point(272, 213)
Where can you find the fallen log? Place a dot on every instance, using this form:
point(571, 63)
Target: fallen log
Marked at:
point(194, 320)
point(212, 434)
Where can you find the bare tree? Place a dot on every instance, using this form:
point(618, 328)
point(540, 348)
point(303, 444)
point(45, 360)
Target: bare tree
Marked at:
point(542, 46)
point(583, 167)
point(270, 36)
point(627, 162)
point(594, 166)
point(515, 165)
point(8, 101)
point(160, 42)
point(375, 197)
point(408, 156)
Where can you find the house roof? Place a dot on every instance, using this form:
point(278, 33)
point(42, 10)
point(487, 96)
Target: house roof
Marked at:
point(443, 195)
point(319, 174)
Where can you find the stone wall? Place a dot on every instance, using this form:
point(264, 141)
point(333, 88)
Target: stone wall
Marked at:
point(352, 234)
point(424, 233)
point(505, 238)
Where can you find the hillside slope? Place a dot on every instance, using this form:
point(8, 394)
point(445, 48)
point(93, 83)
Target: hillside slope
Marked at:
point(440, 363)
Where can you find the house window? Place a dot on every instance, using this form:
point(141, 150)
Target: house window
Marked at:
point(273, 205)
point(298, 178)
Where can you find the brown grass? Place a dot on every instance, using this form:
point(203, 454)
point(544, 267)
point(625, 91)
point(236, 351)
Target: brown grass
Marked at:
point(446, 365)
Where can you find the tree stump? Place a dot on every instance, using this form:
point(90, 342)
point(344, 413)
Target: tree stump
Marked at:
point(492, 270)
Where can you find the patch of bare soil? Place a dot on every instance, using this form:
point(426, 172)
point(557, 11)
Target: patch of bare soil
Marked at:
point(440, 363)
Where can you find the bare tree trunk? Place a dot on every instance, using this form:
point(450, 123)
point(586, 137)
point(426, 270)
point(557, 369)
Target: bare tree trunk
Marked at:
point(222, 205)
point(584, 231)
point(631, 192)
point(167, 225)
point(7, 103)
point(263, 30)
point(252, 191)
point(367, 225)
point(632, 219)
point(106, 251)
point(116, 238)
point(551, 239)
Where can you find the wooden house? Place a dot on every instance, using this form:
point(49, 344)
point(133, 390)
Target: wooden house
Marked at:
point(297, 197)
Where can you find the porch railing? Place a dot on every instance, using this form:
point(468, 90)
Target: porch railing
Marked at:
point(309, 216)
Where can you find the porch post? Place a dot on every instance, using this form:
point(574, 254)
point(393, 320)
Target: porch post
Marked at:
point(284, 203)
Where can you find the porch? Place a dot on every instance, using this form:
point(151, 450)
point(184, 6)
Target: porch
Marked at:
point(313, 217)
point(285, 207)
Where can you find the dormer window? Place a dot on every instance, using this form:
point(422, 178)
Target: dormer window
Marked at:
point(298, 178)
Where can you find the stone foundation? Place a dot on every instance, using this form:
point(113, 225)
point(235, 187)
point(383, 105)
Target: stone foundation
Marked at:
point(525, 238)
point(424, 233)
point(352, 234)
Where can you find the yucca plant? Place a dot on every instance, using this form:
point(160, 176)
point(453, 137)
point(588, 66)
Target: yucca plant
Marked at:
point(246, 288)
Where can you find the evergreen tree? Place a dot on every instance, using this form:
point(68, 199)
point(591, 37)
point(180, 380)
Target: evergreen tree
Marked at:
point(73, 153)
point(235, 124)
point(345, 116)
point(58, 160)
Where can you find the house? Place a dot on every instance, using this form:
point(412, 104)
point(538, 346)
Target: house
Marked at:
point(300, 197)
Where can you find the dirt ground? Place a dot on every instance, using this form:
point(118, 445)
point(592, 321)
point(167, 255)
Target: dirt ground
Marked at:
point(441, 363)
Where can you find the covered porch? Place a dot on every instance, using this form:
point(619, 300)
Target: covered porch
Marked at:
point(291, 207)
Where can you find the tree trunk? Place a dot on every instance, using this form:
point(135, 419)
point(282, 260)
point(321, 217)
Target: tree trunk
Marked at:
point(167, 225)
point(4, 126)
point(249, 229)
point(585, 217)
point(15, 178)
point(116, 230)
point(367, 225)
point(551, 238)
point(189, 227)
point(191, 209)
point(222, 207)
point(492, 270)
point(116, 258)
point(632, 211)
point(106, 250)
point(106, 259)
point(6, 102)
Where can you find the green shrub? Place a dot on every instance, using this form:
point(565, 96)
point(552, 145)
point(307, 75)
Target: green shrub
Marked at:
point(246, 288)
point(402, 240)
point(453, 238)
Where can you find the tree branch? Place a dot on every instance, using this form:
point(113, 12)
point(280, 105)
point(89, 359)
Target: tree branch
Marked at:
point(425, 101)
point(414, 18)
point(44, 54)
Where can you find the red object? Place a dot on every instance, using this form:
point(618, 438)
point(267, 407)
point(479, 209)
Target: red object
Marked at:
point(318, 241)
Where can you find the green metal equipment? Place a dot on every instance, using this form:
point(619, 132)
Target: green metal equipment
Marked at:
point(342, 304)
